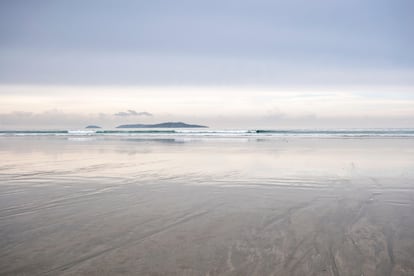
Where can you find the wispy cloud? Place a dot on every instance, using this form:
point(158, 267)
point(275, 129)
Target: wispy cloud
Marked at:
point(131, 112)
point(218, 107)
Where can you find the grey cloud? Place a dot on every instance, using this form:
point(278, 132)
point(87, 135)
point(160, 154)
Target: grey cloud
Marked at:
point(131, 112)
point(46, 67)
point(207, 42)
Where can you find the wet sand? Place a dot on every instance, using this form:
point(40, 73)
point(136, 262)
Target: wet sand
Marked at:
point(149, 207)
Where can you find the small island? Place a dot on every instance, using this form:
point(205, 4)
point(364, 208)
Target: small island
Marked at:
point(93, 126)
point(163, 125)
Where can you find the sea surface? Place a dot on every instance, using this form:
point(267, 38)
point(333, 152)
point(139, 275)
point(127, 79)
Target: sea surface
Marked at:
point(207, 202)
point(190, 132)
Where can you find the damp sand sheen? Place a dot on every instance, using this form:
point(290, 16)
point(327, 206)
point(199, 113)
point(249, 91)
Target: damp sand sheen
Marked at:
point(210, 203)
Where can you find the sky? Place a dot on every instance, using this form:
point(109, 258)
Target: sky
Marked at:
point(225, 64)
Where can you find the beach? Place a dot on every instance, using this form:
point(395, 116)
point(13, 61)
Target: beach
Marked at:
point(190, 205)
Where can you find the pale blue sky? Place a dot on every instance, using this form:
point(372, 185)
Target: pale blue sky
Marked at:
point(361, 49)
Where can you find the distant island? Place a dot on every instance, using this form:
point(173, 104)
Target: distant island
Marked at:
point(93, 126)
point(163, 125)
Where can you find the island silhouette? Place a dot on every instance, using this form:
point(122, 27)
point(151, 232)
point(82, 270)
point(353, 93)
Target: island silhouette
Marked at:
point(92, 126)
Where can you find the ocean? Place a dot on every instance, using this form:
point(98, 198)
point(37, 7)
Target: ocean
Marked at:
point(207, 202)
point(407, 132)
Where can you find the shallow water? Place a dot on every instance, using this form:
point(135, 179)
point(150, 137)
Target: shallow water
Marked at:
point(179, 205)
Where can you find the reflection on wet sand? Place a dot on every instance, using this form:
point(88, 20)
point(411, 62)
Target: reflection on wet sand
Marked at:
point(302, 207)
